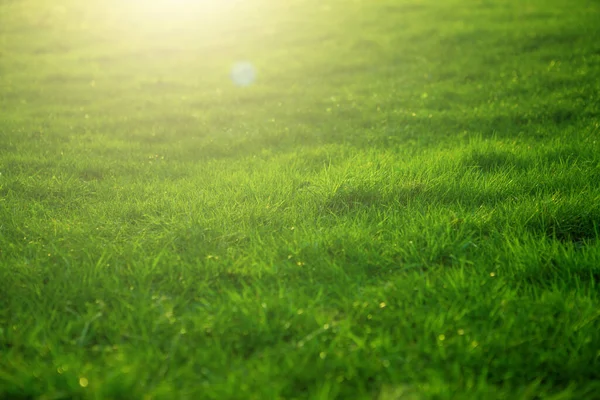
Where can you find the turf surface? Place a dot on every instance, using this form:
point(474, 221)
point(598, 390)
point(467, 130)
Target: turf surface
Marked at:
point(404, 205)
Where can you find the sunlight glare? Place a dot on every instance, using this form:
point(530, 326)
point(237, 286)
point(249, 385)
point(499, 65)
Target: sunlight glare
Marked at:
point(176, 9)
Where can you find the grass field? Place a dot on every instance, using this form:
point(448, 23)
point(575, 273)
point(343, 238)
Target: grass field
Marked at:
point(404, 205)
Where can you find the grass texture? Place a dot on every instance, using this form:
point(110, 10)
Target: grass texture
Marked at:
point(404, 205)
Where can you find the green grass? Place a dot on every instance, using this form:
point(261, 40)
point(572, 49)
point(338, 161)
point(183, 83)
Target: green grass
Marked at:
point(405, 205)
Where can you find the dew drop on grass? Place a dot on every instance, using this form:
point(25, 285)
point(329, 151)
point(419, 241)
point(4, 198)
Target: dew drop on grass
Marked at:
point(83, 382)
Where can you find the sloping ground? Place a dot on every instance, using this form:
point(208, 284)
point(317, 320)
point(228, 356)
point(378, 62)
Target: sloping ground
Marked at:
point(405, 205)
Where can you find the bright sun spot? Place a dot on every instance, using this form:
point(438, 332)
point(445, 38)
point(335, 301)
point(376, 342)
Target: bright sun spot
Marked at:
point(169, 9)
point(155, 15)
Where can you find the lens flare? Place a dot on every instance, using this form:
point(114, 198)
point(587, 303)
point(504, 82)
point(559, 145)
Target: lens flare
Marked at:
point(243, 73)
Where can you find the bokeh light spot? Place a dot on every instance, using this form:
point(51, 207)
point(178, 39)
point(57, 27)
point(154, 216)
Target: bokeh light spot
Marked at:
point(243, 73)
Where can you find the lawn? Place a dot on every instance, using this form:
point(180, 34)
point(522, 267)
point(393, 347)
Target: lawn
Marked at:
point(404, 204)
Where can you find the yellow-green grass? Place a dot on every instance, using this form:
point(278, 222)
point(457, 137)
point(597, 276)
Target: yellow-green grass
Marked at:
point(404, 205)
